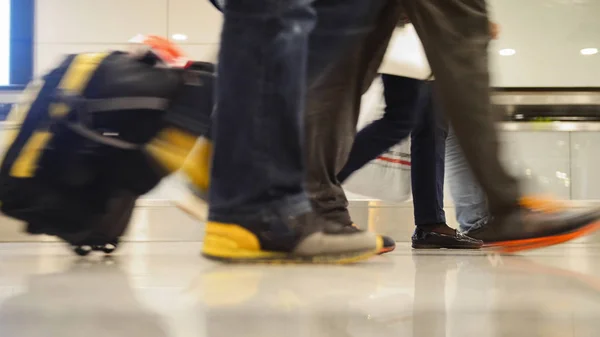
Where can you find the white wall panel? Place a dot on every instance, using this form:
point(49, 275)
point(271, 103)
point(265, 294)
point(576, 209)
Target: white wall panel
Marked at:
point(202, 52)
point(74, 26)
point(49, 55)
point(584, 164)
point(547, 35)
point(198, 20)
point(92, 21)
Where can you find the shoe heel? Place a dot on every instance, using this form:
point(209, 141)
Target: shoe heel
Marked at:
point(192, 204)
point(198, 163)
point(230, 242)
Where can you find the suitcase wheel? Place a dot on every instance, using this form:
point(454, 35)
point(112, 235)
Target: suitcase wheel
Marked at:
point(82, 250)
point(107, 248)
point(85, 250)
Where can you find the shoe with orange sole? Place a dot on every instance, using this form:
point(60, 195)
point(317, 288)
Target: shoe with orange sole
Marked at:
point(536, 224)
point(543, 204)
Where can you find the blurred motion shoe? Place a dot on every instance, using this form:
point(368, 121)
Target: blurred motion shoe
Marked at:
point(196, 170)
point(307, 238)
point(389, 244)
point(254, 243)
point(543, 204)
point(197, 167)
point(524, 228)
point(442, 236)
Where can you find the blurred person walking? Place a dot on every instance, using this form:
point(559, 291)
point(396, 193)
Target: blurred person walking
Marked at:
point(455, 36)
point(410, 110)
point(270, 52)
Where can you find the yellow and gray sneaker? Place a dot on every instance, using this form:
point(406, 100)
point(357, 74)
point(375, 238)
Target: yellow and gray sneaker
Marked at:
point(307, 238)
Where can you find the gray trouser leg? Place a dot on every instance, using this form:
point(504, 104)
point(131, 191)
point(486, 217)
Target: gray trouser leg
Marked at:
point(455, 34)
point(333, 105)
point(468, 197)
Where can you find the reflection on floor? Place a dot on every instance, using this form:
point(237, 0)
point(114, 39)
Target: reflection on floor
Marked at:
point(166, 289)
point(158, 220)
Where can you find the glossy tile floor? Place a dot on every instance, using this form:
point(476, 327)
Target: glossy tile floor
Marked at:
point(166, 289)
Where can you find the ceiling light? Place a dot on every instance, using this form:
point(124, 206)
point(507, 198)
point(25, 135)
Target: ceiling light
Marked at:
point(507, 52)
point(179, 37)
point(589, 51)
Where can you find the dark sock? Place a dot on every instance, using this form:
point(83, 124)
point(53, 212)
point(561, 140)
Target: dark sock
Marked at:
point(440, 228)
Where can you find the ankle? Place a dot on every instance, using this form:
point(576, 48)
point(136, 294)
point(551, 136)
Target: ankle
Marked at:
point(440, 227)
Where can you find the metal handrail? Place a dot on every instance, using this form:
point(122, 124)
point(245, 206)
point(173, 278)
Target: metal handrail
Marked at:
point(547, 98)
point(549, 126)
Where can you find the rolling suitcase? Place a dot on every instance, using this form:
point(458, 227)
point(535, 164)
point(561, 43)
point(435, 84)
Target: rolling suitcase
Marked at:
point(106, 234)
point(97, 132)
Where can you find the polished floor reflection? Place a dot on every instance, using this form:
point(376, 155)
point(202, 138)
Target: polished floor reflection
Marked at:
point(166, 289)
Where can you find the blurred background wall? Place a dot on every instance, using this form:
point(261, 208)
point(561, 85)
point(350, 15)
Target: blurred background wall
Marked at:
point(541, 40)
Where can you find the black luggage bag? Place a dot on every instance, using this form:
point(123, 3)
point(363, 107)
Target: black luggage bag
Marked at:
point(96, 133)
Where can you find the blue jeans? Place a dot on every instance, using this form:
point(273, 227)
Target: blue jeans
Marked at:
point(410, 110)
point(469, 199)
point(271, 50)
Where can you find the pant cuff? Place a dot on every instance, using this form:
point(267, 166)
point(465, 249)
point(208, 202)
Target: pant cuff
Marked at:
point(266, 213)
point(466, 228)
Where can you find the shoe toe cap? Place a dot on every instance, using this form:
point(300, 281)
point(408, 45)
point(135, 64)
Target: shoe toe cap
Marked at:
point(389, 244)
point(388, 241)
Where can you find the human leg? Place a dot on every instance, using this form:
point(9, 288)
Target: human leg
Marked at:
point(468, 197)
point(333, 106)
point(455, 36)
point(427, 152)
point(428, 148)
point(257, 200)
point(402, 98)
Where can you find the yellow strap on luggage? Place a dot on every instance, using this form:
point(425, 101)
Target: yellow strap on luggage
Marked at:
point(19, 111)
point(74, 81)
point(171, 147)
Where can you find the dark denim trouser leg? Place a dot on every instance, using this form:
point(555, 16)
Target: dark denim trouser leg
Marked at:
point(258, 165)
point(403, 104)
point(409, 110)
point(428, 148)
point(455, 35)
point(257, 135)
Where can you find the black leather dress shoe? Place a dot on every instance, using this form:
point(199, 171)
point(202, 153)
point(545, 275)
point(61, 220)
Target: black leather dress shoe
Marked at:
point(426, 239)
point(524, 229)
